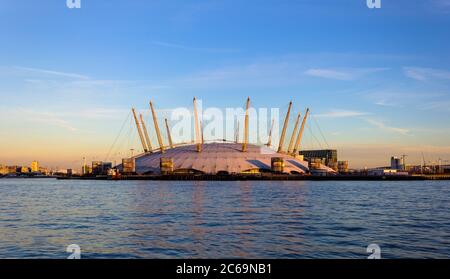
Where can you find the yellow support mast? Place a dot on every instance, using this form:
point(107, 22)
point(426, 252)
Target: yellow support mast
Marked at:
point(244, 144)
point(168, 133)
point(138, 126)
point(158, 133)
point(201, 129)
point(269, 142)
point(197, 128)
point(283, 133)
point(300, 134)
point(236, 133)
point(144, 128)
point(294, 133)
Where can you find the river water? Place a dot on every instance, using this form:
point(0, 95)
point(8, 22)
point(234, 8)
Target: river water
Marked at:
point(39, 218)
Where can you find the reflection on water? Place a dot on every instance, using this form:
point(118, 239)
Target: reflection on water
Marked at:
point(204, 219)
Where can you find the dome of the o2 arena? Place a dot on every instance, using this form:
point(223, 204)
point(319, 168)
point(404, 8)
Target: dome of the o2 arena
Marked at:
point(217, 157)
point(220, 157)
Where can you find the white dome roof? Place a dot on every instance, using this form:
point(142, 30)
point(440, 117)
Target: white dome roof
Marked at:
point(219, 156)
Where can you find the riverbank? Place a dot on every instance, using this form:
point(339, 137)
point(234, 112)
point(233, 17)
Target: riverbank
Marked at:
point(262, 177)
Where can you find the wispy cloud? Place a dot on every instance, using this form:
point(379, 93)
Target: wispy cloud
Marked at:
point(268, 72)
point(65, 119)
point(437, 105)
point(326, 73)
point(399, 97)
point(186, 47)
point(341, 114)
point(384, 103)
point(342, 74)
point(48, 119)
point(45, 79)
point(259, 74)
point(383, 126)
point(51, 72)
point(99, 113)
point(422, 74)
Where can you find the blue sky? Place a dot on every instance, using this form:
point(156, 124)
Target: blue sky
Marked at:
point(376, 80)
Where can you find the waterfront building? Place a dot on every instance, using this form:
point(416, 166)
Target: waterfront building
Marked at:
point(34, 166)
point(86, 170)
point(43, 170)
point(7, 169)
point(327, 156)
point(23, 169)
point(101, 168)
point(397, 163)
point(128, 165)
point(343, 167)
point(220, 156)
point(383, 172)
point(3, 170)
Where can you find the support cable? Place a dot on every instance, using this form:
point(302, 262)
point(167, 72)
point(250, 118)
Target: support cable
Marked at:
point(117, 137)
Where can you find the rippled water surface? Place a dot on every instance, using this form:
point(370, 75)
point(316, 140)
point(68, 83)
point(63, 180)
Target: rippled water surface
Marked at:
point(39, 218)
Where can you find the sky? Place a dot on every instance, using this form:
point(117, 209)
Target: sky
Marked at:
point(377, 81)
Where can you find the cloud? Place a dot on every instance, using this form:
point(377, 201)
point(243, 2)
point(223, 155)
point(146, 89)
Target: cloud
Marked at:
point(422, 74)
point(381, 125)
point(332, 74)
point(383, 103)
point(267, 73)
point(51, 72)
point(185, 47)
point(63, 119)
point(341, 114)
point(437, 105)
point(400, 97)
point(48, 119)
point(99, 113)
point(343, 74)
point(257, 74)
point(42, 77)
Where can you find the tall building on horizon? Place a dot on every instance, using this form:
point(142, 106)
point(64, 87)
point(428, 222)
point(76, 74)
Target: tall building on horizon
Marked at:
point(35, 166)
